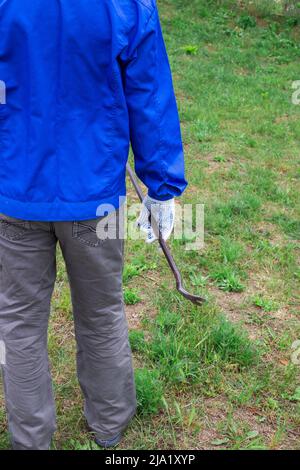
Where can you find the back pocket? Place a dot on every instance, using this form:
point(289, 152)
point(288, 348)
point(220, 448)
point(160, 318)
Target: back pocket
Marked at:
point(88, 232)
point(12, 228)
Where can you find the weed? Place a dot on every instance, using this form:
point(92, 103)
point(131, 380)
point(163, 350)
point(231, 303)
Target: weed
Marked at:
point(137, 340)
point(149, 391)
point(232, 344)
point(227, 279)
point(131, 296)
point(267, 305)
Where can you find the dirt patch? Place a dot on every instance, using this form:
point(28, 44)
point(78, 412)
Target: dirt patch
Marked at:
point(135, 314)
point(143, 309)
point(243, 72)
point(215, 411)
point(233, 306)
point(270, 232)
point(246, 419)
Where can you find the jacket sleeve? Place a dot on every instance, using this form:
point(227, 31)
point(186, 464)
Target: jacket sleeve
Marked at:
point(153, 115)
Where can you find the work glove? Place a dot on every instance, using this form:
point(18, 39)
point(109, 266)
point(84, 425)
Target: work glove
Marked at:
point(164, 214)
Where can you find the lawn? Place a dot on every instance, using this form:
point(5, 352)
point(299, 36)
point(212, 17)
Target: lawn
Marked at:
point(226, 375)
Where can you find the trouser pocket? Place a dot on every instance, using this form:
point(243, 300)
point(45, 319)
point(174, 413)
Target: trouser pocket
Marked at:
point(97, 231)
point(12, 228)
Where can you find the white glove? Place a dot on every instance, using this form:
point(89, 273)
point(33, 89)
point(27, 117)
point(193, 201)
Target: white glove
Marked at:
point(164, 214)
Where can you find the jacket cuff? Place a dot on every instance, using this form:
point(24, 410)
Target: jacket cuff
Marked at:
point(159, 198)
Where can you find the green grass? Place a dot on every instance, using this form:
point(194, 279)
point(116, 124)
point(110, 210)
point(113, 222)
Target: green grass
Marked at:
point(265, 304)
point(131, 296)
point(137, 340)
point(227, 279)
point(232, 345)
point(219, 376)
point(149, 391)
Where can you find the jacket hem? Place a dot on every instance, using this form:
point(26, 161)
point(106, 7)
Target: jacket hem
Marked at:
point(59, 211)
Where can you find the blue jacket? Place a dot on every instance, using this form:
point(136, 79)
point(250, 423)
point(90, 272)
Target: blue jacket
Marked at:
point(82, 80)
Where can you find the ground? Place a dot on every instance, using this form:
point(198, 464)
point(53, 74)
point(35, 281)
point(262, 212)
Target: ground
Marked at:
point(222, 376)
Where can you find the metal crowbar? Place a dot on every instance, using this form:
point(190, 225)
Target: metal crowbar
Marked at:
point(196, 299)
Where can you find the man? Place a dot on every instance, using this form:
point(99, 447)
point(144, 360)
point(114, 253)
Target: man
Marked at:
point(83, 79)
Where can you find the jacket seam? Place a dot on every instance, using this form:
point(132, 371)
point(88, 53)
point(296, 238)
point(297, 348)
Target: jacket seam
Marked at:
point(125, 24)
point(157, 107)
point(57, 117)
point(145, 5)
point(113, 112)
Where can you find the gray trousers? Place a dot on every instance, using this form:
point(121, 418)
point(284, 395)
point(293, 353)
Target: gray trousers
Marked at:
point(104, 363)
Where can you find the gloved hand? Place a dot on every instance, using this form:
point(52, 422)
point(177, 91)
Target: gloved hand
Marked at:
point(164, 214)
